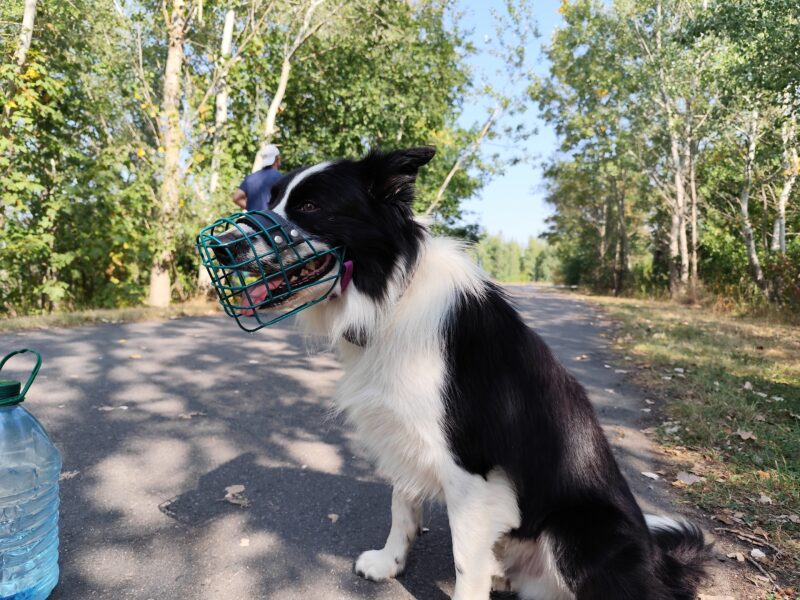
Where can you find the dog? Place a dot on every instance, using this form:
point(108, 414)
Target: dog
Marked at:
point(456, 399)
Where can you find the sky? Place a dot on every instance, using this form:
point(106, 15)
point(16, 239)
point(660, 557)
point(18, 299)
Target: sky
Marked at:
point(512, 203)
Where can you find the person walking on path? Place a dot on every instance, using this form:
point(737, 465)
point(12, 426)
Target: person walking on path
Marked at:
point(253, 193)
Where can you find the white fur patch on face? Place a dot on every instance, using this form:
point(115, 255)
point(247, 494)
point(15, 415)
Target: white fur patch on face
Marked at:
point(280, 207)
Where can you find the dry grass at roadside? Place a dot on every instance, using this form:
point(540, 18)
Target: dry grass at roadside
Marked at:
point(116, 315)
point(728, 411)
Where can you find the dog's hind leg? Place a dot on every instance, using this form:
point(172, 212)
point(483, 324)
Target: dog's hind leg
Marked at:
point(480, 511)
point(378, 565)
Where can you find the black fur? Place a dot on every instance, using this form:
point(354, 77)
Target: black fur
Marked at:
point(509, 402)
point(364, 206)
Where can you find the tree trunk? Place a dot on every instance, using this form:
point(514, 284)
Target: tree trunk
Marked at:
point(744, 200)
point(621, 267)
point(791, 167)
point(679, 252)
point(221, 105)
point(693, 216)
point(304, 32)
point(473, 147)
point(26, 35)
point(171, 136)
point(269, 128)
point(220, 118)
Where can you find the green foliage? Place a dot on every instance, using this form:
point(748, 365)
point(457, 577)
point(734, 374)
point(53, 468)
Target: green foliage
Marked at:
point(651, 98)
point(507, 261)
point(80, 152)
point(71, 210)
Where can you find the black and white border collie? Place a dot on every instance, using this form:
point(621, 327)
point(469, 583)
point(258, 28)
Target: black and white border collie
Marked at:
point(456, 399)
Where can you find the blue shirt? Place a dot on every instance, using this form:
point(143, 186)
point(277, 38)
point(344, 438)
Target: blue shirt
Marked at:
point(257, 187)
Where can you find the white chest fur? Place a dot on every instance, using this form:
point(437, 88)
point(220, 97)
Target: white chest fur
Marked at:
point(394, 403)
point(391, 390)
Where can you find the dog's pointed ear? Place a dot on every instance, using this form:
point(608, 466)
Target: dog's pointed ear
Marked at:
point(391, 175)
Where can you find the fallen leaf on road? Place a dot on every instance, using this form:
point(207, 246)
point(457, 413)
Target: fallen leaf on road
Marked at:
point(234, 494)
point(737, 555)
point(763, 474)
point(745, 435)
point(761, 532)
point(685, 478)
point(650, 475)
point(333, 517)
point(68, 475)
point(192, 414)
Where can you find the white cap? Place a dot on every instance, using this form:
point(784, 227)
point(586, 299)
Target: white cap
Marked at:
point(268, 153)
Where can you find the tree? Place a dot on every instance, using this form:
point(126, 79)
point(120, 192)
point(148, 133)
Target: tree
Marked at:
point(171, 139)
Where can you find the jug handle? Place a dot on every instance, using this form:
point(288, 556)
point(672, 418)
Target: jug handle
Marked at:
point(33, 373)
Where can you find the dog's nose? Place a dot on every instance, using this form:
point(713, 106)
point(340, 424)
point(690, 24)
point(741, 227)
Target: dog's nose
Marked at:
point(225, 247)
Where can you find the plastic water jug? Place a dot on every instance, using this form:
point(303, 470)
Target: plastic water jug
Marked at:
point(30, 466)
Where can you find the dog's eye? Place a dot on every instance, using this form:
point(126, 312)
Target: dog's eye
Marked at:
point(308, 207)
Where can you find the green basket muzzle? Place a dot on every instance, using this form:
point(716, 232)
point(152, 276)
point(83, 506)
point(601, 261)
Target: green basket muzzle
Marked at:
point(265, 269)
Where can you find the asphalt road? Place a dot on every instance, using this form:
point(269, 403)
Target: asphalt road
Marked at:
point(156, 419)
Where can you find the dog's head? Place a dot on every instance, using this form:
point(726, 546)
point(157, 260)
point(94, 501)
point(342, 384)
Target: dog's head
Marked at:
point(362, 206)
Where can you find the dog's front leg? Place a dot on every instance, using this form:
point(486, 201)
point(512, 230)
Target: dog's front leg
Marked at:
point(480, 512)
point(378, 565)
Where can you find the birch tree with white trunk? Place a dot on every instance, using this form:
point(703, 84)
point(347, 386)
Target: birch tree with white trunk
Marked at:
point(751, 141)
point(305, 21)
point(26, 33)
point(172, 137)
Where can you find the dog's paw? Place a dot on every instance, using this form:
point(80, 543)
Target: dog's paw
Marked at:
point(378, 565)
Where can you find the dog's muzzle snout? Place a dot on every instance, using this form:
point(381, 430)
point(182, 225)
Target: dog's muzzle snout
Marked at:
point(264, 266)
point(227, 246)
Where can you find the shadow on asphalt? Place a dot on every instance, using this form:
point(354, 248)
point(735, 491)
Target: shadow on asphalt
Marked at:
point(170, 413)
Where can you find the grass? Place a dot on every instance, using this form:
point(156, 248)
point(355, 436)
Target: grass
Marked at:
point(112, 315)
point(727, 391)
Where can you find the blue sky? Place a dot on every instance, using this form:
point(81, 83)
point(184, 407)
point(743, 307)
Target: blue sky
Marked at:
point(512, 203)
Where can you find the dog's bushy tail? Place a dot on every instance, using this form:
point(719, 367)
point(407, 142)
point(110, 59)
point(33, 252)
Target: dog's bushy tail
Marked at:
point(682, 555)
